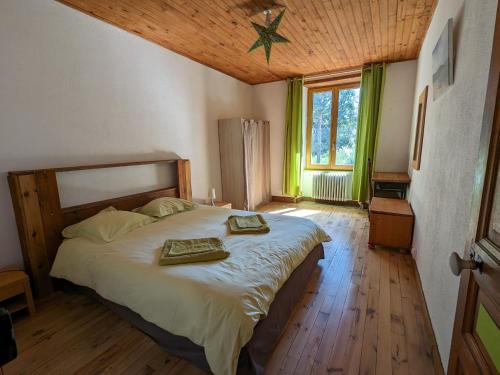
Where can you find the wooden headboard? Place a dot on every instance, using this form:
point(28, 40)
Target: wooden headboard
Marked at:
point(40, 218)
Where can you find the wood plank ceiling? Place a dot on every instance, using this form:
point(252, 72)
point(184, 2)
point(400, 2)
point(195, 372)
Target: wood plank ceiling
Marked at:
point(325, 35)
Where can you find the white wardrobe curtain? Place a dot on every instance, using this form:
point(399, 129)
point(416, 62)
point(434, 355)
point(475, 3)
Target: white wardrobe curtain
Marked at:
point(256, 146)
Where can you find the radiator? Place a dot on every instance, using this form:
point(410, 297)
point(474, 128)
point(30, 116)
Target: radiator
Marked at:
point(332, 186)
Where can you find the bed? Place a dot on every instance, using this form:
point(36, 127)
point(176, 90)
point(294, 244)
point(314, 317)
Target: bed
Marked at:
point(224, 316)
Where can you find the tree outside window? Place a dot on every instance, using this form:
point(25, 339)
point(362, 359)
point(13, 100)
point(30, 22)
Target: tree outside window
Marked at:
point(332, 147)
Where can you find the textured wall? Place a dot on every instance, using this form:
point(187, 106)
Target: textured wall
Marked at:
point(75, 90)
point(441, 190)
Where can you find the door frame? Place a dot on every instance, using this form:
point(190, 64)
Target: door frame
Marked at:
point(482, 197)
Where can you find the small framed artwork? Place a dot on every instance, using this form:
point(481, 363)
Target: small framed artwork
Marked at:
point(442, 62)
point(419, 134)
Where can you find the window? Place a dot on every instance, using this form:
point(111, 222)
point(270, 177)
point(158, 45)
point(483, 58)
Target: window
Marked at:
point(331, 127)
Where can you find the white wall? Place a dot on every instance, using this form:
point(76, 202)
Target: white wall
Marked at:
point(269, 103)
point(396, 117)
point(75, 90)
point(441, 190)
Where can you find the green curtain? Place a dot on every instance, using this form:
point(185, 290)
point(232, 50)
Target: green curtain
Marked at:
point(292, 168)
point(370, 104)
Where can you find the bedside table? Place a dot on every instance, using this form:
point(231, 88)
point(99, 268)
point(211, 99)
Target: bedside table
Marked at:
point(391, 223)
point(222, 204)
point(15, 291)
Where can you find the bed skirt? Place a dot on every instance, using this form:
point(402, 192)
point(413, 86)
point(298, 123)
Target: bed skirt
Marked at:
point(267, 332)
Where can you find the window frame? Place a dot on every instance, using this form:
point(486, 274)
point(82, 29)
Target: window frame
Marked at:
point(331, 166)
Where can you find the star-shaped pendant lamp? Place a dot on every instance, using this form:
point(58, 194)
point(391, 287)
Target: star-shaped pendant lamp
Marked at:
point(268, 35)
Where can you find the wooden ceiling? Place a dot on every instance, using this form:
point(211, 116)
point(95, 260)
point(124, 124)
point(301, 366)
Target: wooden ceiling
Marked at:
point(325, 35)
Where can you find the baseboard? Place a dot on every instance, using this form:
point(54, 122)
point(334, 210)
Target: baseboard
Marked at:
point(435, 353)
point(336, 203)
point(290, 199)
point(286, 199)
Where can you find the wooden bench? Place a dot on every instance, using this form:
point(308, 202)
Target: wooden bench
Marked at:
point(391, 223)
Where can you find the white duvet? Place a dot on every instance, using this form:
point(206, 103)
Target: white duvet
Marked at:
point(215, 304)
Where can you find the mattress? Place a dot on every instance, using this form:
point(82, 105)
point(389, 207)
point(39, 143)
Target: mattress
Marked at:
point(254, 355)
point(216, 305)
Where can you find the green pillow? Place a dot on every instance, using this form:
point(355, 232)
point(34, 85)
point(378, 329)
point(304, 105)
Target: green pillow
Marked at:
point(166, 206)
point(107, 225)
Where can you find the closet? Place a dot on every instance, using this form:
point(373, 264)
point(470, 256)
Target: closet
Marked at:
point(245, 162)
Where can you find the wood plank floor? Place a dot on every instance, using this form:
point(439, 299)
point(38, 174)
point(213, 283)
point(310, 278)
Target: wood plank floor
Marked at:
point(362, 313)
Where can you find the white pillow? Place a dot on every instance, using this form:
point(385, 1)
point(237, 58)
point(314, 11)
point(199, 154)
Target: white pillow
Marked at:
point(107, 225)
point(166, 206)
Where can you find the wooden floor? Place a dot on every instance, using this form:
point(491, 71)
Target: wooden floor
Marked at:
point(362, 313)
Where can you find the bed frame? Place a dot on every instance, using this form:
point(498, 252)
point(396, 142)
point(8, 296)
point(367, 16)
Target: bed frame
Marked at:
point(40, 218)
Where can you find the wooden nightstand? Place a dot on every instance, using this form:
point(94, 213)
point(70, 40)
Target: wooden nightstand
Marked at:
point(391, 223)
point(15, 291)
point(222, 204)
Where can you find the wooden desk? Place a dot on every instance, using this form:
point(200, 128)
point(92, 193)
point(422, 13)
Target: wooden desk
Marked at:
point(390, 184)
point(396, 177)
point(391, 223)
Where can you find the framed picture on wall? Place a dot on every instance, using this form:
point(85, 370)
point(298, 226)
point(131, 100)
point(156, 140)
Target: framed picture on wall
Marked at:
point(419, 134)
point(442, 61)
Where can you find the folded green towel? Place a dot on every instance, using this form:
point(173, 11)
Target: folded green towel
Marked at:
point(252, 224)
point(191, 251)
point(248, 221)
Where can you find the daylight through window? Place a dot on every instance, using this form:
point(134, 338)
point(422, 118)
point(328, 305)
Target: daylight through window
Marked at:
point(332, 126)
